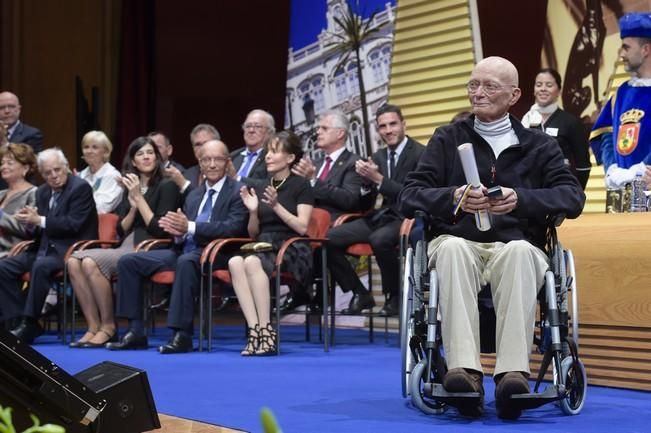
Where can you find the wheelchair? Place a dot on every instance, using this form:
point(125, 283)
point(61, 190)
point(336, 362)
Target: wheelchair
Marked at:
point(423, 356)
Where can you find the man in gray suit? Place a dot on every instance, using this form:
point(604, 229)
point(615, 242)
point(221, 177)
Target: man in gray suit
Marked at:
point(335, 182)
point(383, 174)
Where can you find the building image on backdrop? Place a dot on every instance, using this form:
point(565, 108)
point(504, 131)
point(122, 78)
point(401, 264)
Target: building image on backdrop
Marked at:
point(317, 82)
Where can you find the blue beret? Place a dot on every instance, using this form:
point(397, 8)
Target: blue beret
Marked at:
point(636, 25)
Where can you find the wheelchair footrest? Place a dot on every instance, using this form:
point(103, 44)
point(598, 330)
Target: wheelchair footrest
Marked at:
point(533, 400)
point(438, 393)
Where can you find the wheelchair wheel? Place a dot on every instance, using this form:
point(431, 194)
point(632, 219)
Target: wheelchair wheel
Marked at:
point(417, 379)
point(407, 361)
point(576, 384)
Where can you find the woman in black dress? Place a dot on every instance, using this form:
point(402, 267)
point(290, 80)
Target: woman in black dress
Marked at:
point(279, 211)
point(565, 127)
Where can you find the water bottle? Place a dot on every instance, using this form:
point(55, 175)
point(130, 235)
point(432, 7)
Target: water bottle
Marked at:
point(638, 198)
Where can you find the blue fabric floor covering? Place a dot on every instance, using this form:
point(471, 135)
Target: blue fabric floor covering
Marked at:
point(353, 388)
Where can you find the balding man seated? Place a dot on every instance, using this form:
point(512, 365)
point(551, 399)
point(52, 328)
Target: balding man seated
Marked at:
point(212, 210)
point(535, 183)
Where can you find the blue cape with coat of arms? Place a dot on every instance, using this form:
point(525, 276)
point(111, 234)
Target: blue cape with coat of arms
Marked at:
point(622, 133)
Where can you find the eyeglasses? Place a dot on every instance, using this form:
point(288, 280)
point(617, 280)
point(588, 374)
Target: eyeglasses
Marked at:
point(214, 160)
point(55, 171)
point(255, 126)
point(489, 88)
point(9, 107)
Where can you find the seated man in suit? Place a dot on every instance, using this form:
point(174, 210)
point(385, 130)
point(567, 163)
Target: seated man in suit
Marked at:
point(383, 174)
point(248, 164)
point(212, 210)
point(165, 149)
point(334, 180)
point(189, 178)
point(11, 126)
point(65, 213)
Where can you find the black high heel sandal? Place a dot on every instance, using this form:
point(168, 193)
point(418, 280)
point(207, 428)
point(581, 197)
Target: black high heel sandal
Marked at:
point(252, 342)
point(268, 340)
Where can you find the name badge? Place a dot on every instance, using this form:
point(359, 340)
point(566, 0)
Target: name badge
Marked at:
point(552, 131)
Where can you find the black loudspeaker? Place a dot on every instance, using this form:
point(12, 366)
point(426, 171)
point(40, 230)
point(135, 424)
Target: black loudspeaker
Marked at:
point(129, 406)
point(102, 400)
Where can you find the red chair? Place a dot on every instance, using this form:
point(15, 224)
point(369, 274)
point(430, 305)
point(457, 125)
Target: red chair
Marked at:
point(317, 229)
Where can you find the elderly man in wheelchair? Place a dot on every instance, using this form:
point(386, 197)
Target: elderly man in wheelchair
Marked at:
point(489, 234)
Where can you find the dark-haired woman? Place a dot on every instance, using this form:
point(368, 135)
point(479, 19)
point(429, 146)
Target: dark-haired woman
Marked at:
point(147, 197)
point(277, 212)
point(565, 127)
point(18, 162)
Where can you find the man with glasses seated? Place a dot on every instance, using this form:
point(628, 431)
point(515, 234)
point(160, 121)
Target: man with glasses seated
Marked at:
point(212, 210)
point(248, 164)
point(529, 167)
point(191, 177)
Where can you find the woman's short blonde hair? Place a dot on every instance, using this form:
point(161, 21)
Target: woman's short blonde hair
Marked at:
point(100, 138)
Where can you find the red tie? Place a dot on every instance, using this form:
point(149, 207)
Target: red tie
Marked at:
point(324, 173)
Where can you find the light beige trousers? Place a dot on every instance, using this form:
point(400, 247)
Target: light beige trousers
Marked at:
point(515, 272)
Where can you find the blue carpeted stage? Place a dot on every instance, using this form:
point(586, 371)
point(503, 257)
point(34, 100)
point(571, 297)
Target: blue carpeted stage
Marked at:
point(353, 388)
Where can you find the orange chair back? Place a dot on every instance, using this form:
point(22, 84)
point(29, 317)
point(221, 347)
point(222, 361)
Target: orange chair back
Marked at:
point(107, 226)
point(319, 223)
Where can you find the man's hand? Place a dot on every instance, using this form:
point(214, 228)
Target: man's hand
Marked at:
point(174, 223)
point(505, 204)
point(305, 168)
point(475, 200)
point(176, 175)
point(28, 215)
point(369, 170)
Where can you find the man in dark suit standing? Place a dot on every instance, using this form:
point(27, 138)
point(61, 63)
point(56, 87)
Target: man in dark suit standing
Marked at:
point(248, 164)
point(65, 213)
point(334, 180)
point(384, 174)
point(12, 128)
point(212, 210)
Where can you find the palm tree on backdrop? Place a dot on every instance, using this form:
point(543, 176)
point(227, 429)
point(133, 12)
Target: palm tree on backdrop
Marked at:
point(348, 42)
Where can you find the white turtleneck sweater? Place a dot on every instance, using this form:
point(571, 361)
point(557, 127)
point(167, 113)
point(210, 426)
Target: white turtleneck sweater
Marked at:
point(499, 134)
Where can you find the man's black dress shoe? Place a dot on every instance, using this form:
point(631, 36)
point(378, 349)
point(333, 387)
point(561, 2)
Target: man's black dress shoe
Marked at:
point(360, 301)
point(292, 302)
point(181, 342)
point(391, 307)
point(27, 331)
point(129, 341)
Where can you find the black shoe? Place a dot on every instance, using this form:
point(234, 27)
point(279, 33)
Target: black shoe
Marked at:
point(360, 301)
point(129, 341)
point(315, 306)
point(110, 338)
point(391, 307)
point(292, 302)
point(181, 342)
point(228, 304)
point(49, 309)
point(507, 384)
point(28, 331)
point(462, 380)
point(163, 305)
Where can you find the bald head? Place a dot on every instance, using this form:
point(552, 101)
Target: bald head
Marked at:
point(9, 108)
point(213, 160)
point(493, 88)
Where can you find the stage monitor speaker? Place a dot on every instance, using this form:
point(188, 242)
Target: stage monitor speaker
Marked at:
point(32, 384)
point(130, 406)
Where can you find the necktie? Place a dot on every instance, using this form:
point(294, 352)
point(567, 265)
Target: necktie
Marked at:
point(392, 164)
point(202, 217)
point(326, 169)
point(244, 169)
point(54, 200)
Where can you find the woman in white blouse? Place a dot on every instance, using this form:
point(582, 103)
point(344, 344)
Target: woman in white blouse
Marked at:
point(100, 174)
